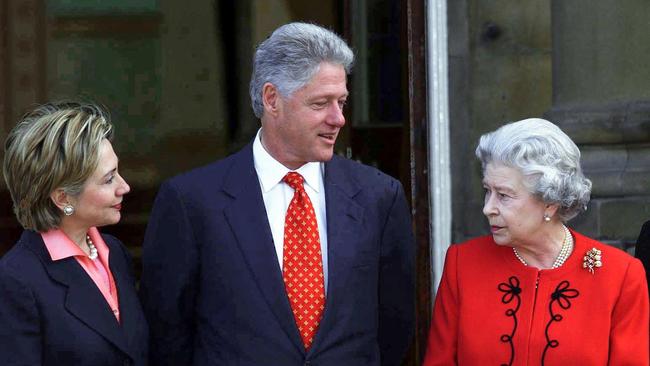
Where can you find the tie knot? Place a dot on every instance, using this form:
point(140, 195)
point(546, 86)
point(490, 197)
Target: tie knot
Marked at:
point(294, 180)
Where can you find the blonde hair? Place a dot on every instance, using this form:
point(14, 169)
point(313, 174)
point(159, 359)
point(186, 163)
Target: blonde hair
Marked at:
point(54, 146)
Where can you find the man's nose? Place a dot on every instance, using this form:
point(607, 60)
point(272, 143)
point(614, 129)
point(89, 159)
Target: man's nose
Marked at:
point(335, 116)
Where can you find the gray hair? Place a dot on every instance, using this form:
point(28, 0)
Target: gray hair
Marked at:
point(291, 56)
point(547, 158)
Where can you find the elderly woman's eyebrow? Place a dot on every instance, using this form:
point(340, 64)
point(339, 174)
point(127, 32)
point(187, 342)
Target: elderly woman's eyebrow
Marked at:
point(499, 187)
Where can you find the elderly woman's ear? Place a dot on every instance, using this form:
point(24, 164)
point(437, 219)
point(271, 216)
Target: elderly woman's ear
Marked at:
point(551, 210)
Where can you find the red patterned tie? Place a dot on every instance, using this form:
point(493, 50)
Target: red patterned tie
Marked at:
point(302, 268)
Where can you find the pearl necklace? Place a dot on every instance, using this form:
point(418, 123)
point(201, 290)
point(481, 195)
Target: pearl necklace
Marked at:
point(565, 251)
point(91, 248)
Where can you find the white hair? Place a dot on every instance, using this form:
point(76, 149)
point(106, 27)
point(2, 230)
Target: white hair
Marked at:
point(291, 56)
point(546, 157)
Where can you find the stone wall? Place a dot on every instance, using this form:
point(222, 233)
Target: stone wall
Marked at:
point(500, 71)
point(601, 68)
point(581, 64)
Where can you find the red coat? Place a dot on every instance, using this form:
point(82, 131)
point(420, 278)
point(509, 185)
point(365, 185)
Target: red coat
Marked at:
point(488, 310)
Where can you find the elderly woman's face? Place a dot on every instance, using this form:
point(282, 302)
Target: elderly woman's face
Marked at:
point(515, 215)
point(100, 201)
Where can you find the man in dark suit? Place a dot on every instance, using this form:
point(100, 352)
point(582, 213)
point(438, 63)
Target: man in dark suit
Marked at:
point(283, 254)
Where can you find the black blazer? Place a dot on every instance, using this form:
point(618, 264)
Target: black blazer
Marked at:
point(642, 250)
point(212, 287)
point(52, 313)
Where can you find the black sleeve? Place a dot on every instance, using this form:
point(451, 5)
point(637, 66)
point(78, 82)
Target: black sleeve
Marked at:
point(168, 286)
point(20, 328)
point(642, 250)
point(396, 281)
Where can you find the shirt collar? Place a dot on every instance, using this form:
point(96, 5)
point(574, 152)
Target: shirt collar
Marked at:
point(271, 171)
point(60, 246)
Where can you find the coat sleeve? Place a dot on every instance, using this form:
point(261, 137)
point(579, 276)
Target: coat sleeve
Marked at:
point(169, 280)
point(642, 249)
point(20, 335)
point(629, 336)
point(396, 282)
point(442, 345)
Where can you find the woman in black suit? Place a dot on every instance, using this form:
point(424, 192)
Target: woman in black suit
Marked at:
point(67, 294)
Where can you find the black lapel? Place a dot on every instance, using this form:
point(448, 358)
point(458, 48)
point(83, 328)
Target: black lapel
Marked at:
point(83, 299)
point(246, 215)
point(128, 300)
point(344, 219)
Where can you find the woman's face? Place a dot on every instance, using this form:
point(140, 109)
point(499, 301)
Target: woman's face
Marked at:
point(100, 201)
point(515, 215)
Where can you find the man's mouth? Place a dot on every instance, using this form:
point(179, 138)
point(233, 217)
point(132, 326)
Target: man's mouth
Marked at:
point(330, 137)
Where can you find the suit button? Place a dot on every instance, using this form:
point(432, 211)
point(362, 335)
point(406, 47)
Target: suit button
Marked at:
point(126, 362)
point(307, 363)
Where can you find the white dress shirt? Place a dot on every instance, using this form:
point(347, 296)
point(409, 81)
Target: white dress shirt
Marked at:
point(277, 195)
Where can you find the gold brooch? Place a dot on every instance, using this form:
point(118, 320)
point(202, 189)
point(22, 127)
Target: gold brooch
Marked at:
point(593, 259)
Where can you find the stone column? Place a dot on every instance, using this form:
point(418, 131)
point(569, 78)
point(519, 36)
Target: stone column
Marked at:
point(601, 98)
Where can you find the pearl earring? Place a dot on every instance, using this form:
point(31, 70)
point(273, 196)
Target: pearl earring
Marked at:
point(68, 209)
point(547, 218)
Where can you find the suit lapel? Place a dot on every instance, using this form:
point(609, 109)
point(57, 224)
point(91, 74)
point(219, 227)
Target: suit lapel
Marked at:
point(83, 299)
point(128, 301)
point(247, 218)
point(344, 218)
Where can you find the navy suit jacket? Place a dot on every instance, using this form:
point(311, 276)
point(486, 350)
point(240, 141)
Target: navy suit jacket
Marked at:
point(642, 249)
point(212, 286)
point(52, 313)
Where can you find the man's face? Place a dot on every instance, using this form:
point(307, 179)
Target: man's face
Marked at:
point(307, 123)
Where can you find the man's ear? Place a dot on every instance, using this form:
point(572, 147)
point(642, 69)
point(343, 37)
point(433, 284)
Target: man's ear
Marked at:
point(59, 198)
point(271, 99)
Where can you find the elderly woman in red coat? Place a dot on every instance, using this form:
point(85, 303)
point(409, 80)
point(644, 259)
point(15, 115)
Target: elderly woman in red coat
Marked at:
point(535, 292)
